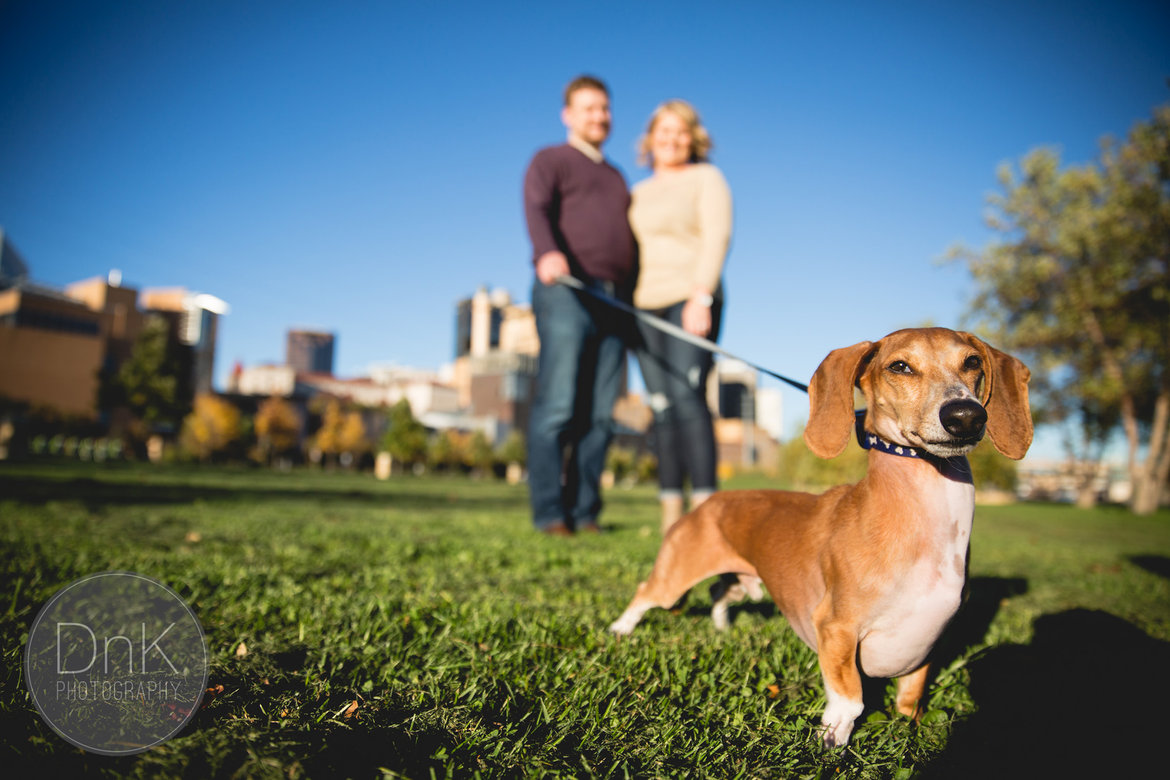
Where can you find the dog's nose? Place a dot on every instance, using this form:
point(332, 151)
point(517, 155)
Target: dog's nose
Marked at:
point(964, 418)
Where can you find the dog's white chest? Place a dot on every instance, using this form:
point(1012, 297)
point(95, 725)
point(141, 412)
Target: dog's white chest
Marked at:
point(908, 621)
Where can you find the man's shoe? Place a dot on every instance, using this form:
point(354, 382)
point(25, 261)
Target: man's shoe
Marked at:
point(589, 528)
point(556, 529)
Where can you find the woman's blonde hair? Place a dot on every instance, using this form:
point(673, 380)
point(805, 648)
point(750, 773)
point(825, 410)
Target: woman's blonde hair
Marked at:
point(700, 139)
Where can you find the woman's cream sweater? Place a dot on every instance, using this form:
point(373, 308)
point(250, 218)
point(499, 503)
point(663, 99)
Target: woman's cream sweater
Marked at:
point(682, 221)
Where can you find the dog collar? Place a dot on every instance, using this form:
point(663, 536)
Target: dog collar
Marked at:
point(956, 468)
point(871, 441)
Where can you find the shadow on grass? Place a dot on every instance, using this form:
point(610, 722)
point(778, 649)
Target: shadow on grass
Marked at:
point(1154, 564)
point(365, 752)
point(1085, 699)
point(96, 494)
point(969, 628)
point(765, 609)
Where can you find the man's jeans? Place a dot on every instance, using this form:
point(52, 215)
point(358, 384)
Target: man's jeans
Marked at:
point(582, 355)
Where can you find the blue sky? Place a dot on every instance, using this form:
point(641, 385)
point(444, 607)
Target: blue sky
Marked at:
point(356, 166)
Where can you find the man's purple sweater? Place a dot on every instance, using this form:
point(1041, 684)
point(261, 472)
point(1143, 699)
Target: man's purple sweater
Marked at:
point(579, 206)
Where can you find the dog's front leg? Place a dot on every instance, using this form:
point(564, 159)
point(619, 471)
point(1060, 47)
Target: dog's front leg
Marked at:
point(837, 653)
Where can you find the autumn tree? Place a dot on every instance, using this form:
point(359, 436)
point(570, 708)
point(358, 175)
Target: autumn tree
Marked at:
point(278, 429)
point(448, 450)
point(341, 431)
point(1078, 283)
point(211, 428)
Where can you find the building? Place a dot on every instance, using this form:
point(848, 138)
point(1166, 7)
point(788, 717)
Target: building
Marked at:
point(55, 345)
point(13, 269)
point(502, 386)
point(310, 352)
point(748, 419)
point(265, 380)
point(736, 390)
point(120, 318)
point(496, 349)
point(51, 349)
point(194, 321)
point(770, 411)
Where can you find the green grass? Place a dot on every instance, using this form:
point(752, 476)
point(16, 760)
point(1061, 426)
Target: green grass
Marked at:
point(473, 646)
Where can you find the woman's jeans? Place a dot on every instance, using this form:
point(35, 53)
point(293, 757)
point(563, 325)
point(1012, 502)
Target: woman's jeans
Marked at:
point(582, 356)
point(675, 374)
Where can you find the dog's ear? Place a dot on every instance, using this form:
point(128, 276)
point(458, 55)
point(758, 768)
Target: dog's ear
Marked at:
point(830, 394)
point(1005, 396)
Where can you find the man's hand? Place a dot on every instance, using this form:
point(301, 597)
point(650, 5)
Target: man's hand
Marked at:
point(550, 266)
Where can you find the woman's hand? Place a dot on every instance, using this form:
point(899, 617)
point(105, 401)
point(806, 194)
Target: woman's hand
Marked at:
point(696, 313)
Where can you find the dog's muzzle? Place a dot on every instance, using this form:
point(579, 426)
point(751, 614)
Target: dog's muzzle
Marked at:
point(963, 419)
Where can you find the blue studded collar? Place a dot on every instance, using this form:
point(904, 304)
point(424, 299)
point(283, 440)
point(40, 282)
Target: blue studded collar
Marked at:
point(956, 468)
point(871, 441)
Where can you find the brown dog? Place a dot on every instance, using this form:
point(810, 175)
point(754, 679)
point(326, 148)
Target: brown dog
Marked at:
point(870, 572)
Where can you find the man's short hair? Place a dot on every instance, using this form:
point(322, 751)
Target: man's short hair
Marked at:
point(584, 82)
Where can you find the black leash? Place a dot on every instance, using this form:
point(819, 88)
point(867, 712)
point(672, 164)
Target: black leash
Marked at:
point(707, 344)
point(672, 329)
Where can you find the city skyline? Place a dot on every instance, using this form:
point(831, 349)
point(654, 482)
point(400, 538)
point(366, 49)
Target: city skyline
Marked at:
point(358, 170)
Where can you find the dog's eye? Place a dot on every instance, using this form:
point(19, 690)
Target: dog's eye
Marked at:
point(900, 367)
point(973, 363)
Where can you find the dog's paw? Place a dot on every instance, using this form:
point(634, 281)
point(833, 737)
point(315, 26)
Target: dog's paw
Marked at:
point(631, 617)
point(753, 586)
point(719, 614)
point(623, 626)
point(837, 722)
point(835, 736)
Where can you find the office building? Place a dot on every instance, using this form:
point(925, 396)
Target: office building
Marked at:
point(310, 352)
point(194, 322)
point(56, 345)
point(51, 350)
point(13, 269)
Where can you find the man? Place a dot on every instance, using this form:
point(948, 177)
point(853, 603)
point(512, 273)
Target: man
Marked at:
point(575, 203)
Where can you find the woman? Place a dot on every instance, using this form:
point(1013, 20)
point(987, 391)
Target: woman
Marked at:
point(681, 217)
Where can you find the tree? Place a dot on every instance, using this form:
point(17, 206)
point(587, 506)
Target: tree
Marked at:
point(514, 449)
point(448, 450)
point(406, 437)
point(803, 470)
point(993, 470)
point(211, 428)
point(619, 461)
point(1079, 283)
point(341, 431)
point(152, 381)
point(646, 468)
point(278, 428)
point(480, 456)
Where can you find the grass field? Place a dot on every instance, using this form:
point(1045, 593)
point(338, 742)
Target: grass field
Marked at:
point(418, 627)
